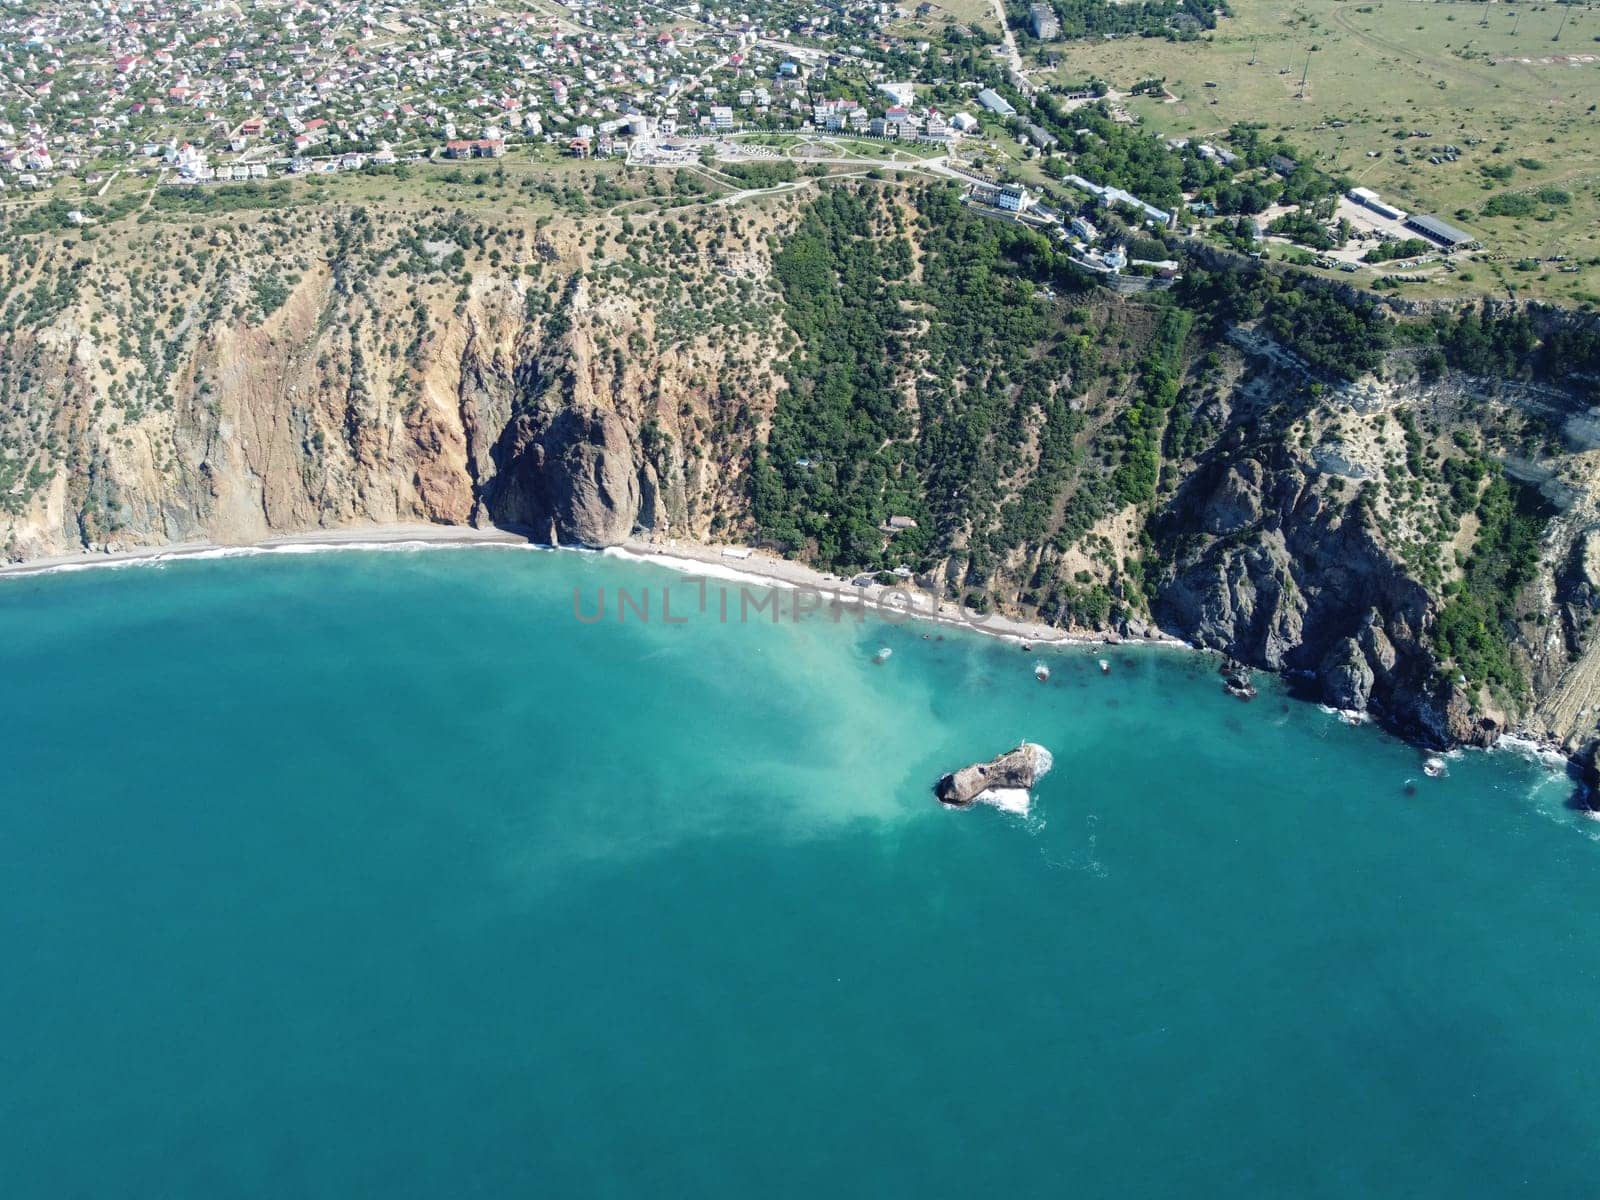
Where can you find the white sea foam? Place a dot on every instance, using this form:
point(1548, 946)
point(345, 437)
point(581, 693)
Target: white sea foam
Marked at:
point(408, 547)
point(1045, 761)
point(695, 566)
point(1539, 752)
point(211, 553)
point(1011, 800)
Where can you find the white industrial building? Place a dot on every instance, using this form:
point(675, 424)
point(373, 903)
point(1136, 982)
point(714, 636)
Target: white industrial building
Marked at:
point(1368, 198)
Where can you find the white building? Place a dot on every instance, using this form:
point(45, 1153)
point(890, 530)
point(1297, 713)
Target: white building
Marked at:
point(995, 102)
point(1368, 198)
point(1012, 197)
point(904, 95)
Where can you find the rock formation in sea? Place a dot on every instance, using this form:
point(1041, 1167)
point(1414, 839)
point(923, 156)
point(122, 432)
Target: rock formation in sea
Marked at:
point(1020, 768)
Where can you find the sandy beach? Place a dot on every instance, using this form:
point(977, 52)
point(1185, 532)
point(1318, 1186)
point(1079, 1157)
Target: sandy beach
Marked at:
point(887, 601)
point(350, 537)
point(726, 561)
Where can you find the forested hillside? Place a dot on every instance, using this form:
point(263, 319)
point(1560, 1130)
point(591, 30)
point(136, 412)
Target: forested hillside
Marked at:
point(1267, 463)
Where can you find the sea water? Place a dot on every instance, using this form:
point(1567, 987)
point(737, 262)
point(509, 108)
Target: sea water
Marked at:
point(383, 874)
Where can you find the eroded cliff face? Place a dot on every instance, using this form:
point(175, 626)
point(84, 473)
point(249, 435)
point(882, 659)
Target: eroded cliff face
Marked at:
point(1270, 571)
point(249, 376)
point(230, 384)
point(1328, 541)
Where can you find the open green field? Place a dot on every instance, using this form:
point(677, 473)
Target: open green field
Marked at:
point(1509, 98)
point(961, 12)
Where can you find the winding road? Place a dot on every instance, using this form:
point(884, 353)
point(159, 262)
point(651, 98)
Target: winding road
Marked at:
point(1013, 55)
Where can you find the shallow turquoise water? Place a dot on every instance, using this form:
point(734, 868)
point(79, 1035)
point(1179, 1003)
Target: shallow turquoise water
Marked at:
point(380, 874)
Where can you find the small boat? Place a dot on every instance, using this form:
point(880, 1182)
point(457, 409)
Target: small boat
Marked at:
point(1105, 666)
point(882, 656)
point(1434, 768)
point(1041, 672)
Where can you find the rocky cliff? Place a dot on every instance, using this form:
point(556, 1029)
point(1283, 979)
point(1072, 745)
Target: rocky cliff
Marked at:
point(1363, 542)
point(590, 378)
point(243, 379)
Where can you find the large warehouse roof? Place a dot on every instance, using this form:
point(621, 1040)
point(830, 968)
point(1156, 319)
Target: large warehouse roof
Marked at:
point(1442, 232)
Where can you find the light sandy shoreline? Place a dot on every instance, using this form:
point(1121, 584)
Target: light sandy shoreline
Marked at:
point(732, 562)
point(735, 563)
point(350, 537)
point(890, 603)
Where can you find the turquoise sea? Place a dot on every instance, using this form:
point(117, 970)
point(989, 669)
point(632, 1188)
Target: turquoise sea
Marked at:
point(380, 874)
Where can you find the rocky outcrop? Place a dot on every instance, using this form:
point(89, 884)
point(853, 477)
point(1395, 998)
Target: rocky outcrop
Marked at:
point(1346, 676)
point(1377, 648)
point(571, 476)
point(1016, 769)
point(1302, 586)
point(1236, 502)
point(1236, 680)
point(1587, 763)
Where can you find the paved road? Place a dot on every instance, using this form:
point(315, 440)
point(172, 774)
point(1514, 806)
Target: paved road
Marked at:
point(1013, 55)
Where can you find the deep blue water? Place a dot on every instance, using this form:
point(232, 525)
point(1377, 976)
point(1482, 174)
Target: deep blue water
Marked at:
point(380, 874)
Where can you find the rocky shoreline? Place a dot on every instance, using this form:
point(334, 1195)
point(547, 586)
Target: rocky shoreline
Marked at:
point(1344, 680)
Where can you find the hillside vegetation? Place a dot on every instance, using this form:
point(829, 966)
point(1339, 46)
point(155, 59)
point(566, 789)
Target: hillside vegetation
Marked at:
point(1256, 460)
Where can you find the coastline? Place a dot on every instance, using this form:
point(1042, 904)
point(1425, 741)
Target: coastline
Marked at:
point(353, 537)
point(726, 561)
point(742, 563)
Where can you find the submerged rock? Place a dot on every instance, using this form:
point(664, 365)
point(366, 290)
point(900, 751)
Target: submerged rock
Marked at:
point(1236, 679)
point(1019, 768)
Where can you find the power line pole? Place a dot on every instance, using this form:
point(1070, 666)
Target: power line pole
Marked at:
point(1566, 11)
point(1303, 75)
